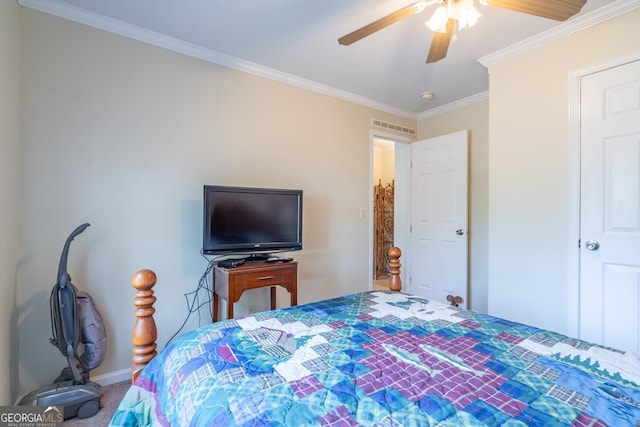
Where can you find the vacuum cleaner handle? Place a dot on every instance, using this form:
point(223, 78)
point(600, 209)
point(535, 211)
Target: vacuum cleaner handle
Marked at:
point(63, 277)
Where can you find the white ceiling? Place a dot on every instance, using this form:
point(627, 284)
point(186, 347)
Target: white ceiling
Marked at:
point(296, 41)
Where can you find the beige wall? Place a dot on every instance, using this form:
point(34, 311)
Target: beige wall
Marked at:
point(529, 171)
point(383, 162)
point(9, 189)
point(475, 118)
point(124, 135)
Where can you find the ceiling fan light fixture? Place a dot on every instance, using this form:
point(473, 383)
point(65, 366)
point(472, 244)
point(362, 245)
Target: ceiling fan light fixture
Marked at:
point(463, 11)
point(438, 22)
point(443, 21)
point(466, 14)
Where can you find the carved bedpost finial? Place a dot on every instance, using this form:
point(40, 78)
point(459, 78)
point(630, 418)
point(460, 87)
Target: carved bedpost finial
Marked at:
point(395, 284)
point(454, 300)
point(145, 333)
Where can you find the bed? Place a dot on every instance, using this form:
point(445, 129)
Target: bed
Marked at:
point(378, 358)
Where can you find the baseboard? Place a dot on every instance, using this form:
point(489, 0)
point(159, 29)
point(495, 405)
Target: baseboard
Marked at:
point(113, 377)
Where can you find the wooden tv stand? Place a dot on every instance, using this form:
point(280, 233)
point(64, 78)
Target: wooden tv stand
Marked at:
point(230, 283)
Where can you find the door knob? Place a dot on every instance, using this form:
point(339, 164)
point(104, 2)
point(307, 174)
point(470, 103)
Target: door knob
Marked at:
point(592, 245)
point(459, 232)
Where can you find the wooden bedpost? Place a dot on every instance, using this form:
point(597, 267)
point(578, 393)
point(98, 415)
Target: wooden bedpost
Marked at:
point(145, 333)
point(395, 284)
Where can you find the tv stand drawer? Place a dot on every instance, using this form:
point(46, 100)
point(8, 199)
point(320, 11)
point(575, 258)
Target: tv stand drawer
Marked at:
point(259, 279)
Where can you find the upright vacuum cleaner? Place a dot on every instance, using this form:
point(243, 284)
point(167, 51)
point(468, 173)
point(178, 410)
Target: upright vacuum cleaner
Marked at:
point(73, 390)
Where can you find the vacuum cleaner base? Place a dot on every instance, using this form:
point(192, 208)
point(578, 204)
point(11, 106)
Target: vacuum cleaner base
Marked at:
point(78, 400)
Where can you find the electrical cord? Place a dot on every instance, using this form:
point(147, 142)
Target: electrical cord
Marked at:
point(193, 304)
point(203, 284)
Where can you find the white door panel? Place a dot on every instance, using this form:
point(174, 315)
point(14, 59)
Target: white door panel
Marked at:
point(610, 208)
point(439, 209)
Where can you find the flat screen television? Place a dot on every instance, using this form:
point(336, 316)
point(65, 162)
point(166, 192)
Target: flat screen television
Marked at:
point(245, 220)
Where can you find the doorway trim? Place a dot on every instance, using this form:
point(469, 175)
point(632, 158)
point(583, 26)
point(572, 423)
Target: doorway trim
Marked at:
point(573, 270)
point(396, 139)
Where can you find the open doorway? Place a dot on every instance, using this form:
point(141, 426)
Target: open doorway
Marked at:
point(383, 188)
point(397, 169)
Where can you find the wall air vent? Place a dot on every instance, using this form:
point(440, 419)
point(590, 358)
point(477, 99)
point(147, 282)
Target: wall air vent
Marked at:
point(391, 126)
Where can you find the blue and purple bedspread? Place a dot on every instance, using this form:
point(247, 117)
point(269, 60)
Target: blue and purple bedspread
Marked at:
point(382, 359)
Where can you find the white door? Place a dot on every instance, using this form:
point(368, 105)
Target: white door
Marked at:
point(610, 207)
point(439, 170)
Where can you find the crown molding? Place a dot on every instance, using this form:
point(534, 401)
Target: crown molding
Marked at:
point(82, 16)
point(563, 30)
point(470, 100)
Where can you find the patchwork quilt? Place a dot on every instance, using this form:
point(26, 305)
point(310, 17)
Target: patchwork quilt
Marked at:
point(382, 359)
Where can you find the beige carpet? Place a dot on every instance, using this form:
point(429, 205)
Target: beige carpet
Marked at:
point(111, 397)
point(381, 284)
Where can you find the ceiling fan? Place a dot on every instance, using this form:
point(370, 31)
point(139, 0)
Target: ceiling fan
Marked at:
point(463, 11)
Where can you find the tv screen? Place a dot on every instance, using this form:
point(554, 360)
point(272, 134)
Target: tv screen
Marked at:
point(251, 220)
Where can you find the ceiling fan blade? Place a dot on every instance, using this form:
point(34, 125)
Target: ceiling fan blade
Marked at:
point(440, 43)
point(558, 10)
point(381, 23)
